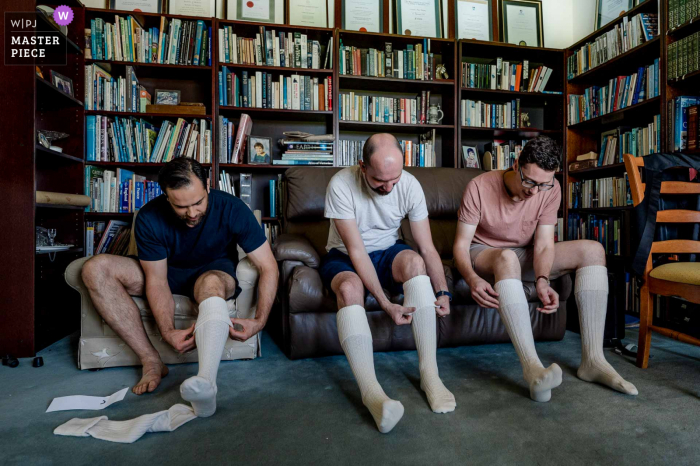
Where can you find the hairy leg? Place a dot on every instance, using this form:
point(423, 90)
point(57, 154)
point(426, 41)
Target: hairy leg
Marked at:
point(111, 281)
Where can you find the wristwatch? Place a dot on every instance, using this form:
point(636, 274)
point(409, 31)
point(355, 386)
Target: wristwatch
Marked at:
point(542, 276)
point(444, 293)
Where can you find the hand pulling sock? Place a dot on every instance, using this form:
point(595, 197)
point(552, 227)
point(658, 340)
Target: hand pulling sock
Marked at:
point(512, 305)
point(210, 333)
point(356, 340)
point(418, 293)
point(591, 292)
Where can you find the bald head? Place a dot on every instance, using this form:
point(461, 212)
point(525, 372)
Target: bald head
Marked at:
point(382, 162)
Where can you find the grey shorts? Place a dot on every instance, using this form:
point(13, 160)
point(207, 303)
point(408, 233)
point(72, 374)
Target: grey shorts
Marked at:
point(525, 257)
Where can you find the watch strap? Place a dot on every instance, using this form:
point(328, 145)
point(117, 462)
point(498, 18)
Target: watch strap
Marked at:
point(543, 276)
point(444, 293)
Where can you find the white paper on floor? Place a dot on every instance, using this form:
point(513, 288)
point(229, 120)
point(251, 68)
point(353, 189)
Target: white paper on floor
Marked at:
point(65, 403)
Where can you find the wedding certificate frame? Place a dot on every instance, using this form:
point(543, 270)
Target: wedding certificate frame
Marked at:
point(609, 10)
point(262, 11)
point(474, 19)
point(363, 15)
point(311, 13)
point(419, 18)
point(521, 22)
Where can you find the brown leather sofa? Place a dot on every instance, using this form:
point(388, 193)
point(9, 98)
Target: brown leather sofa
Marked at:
point(304, 320)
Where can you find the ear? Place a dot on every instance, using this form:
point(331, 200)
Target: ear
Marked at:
point(363, 167)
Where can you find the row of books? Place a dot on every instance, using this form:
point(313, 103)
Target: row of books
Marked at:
point(682, 11)
point(356, 107)
point(273, 48)
point(262, 90)
point(416, 62)
point(118, 191)
point(559, 230)
point(176, 42)
point(501, 154)
point(103, 237)
point(421, 154)
point(505, 76)
point(620, 92)
point(478, 114)
point(602, 192)
point(120, 94)
point(130, 139)
point(604, 229)
point(300, 152)
point(232, 150)
point(349, 152)
point(683, 56)
point(625, 36)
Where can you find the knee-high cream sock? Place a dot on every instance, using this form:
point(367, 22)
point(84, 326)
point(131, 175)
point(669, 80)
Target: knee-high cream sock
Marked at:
point(591, 292)
point(418, 293)
point(356, 340)
point(211, 332)
point(516, 317)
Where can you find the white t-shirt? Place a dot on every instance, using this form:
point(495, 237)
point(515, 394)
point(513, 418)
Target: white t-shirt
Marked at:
point(378, 217)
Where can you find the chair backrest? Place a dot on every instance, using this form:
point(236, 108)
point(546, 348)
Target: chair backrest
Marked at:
point(676, 246)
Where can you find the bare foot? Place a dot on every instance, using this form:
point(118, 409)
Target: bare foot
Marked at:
point(152, 373)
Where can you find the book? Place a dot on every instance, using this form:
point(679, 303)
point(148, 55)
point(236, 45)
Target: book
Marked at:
point(246, 189)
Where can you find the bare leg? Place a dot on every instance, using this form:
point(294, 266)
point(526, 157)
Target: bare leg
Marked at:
point(111, 281)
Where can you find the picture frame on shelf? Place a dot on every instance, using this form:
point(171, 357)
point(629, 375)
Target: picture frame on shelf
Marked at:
point(311, 13)
point(145, 6)
point(63, 83)
point(470, 157)
point(474, 19)
point(609, 10)
point(203, 8)
point(521, 22)
point(167, 97)
point(421, 18)
point(259, 11)
point(259, 150)
point(363, 15)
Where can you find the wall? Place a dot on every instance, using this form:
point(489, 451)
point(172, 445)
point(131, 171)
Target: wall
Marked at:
point(557, 18)
point(583, 12)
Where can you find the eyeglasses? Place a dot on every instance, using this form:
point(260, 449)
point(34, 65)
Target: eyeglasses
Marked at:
point(529, 184)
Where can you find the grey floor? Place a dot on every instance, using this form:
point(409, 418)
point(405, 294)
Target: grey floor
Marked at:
point(276, 411)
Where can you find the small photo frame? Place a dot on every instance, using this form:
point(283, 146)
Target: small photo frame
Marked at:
point(259, 150)
point(167, 97)
point(63, 83)
point(470, 157)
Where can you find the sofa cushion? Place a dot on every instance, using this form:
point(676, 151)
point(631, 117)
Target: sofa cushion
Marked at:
point(306, 192)
point(443, 188)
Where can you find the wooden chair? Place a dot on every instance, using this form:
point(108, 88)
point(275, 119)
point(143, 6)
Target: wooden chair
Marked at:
point(674, 279)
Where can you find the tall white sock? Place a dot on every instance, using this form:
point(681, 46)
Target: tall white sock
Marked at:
point(418, 293)
point(591, 292)
point(356, 340)
point(210, 333)
point(516, 317)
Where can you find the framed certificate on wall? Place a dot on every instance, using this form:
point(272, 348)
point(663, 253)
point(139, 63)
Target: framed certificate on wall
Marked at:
point(261, 11)
point(418, 18)
point(521, 22)
point(146, 6)
point(474, 19)
point(205, 8)
point(312, 13)
point(363, 15)
point(608, 10)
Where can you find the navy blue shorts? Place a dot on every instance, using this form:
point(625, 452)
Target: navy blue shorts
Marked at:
point(336, 262)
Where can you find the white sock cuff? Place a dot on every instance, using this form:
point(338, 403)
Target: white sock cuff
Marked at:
point(418, 292)
point(213, 309)
point(352, 320)
point(591, 278)
point(510, 291)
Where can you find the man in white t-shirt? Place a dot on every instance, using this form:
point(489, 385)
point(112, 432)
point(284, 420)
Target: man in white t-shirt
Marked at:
point(366, 204)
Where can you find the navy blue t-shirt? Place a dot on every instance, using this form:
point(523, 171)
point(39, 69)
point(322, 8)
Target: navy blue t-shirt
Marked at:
point(160, 234)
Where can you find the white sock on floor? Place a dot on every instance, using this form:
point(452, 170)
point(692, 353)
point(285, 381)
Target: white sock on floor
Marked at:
point(210, 333)
point(513, 307)
point(591, 292)
point(356, 340)
point(418, 293)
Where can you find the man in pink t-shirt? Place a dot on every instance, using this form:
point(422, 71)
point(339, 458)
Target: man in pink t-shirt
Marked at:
point(506, 234)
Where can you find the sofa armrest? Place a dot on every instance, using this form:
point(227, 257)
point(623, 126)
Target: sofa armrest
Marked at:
point(296, 248)
point(73, 274)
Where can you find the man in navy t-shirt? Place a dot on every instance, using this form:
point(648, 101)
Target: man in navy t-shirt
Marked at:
point(187, 242)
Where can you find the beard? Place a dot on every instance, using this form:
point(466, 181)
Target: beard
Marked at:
point(193, 223)
point(380, 191)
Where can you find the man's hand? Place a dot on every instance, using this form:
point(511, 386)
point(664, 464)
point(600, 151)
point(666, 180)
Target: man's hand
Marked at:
point(399, 314)
point(442, 306)
point(549, 298)
point(181, 340)
point(483, 293)
point(244, 329)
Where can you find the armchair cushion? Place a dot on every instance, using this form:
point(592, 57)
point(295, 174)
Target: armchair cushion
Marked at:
point(296, 248)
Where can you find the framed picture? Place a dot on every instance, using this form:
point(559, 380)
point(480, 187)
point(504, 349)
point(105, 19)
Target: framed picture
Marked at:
point(608, 10)
point(521, 22)
point(259, 150)
point(474, 19)
point(64, 83)
point(470, 157)
point(419, 18)
point(204, 8)
point(167, 97)
point(312, 13)
point(145, 6)
point(260, 11)
point(363, 15)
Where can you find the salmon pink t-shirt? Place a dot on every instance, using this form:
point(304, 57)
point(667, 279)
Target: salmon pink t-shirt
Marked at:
point(502, 222)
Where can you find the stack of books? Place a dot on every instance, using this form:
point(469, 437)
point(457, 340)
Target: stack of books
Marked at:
point(356, 107)
point(107, 238)
point(627, 35)
point(349, 152)
point(682, 56)
point(604, 229)
point(416, 62)
point(421, 154)
point(121, 94)
point(270, 48)
point(682, 11)
point(300, 152)
point(506, 76)
point(602, 192)
point(480, 114)
point(500, 155)
point(679, 126)
point(176, 42)
point(120, 191)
